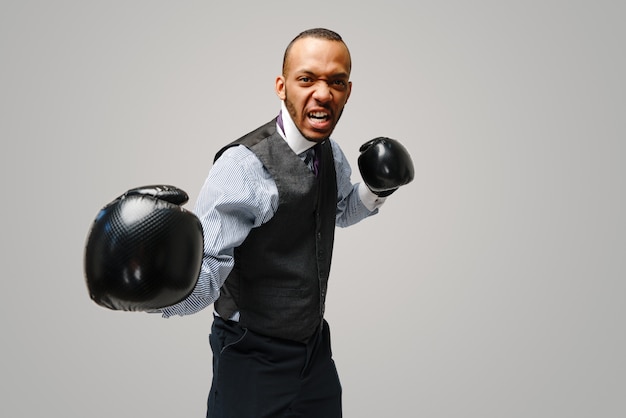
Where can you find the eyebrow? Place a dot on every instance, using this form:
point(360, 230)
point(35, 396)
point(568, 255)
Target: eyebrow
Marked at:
point(342, 74)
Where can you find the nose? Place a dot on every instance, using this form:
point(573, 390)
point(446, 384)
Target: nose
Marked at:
point(322, 92)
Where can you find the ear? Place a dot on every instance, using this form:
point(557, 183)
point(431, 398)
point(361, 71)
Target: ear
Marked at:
point(280, 87)
point(349, 90)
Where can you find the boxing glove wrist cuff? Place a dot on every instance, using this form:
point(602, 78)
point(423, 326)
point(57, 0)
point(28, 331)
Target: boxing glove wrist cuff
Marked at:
point(369, 199)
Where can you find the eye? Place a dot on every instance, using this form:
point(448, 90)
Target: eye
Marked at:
point(305, 80)
point(340, 84)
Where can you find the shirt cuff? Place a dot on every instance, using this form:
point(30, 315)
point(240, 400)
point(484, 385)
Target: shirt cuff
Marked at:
point(370, 200)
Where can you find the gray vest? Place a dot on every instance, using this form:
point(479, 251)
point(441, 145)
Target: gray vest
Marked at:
point(280, 277)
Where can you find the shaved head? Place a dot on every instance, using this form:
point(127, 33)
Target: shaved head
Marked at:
point(319, 33)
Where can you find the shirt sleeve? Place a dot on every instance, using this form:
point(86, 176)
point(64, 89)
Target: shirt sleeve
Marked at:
point(238, 195)
point(355, 202)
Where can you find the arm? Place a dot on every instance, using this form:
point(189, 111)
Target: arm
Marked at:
point(355, 202)
point(238, 195)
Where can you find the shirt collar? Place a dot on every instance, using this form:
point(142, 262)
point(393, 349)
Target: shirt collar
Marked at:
point(291, 134)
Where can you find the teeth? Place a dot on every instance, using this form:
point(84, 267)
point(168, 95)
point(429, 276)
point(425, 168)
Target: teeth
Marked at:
point(318, 115)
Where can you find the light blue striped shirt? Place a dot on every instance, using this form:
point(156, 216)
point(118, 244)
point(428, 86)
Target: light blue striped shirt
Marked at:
point(239, 195)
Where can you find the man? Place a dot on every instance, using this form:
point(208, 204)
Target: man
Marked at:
point(266, 217)
point(269, 226)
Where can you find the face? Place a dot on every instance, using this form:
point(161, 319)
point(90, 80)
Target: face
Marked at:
point(316, 85)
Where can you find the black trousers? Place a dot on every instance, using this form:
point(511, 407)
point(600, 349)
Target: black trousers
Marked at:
point(257, 377)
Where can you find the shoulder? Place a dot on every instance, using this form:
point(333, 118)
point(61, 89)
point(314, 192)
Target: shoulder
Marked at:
point(236, 152)
point(338, 154)
point(251, 138)
point(239, 158)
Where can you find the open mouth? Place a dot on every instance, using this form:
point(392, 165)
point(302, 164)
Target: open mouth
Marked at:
point(319, 116)
point(319, 120)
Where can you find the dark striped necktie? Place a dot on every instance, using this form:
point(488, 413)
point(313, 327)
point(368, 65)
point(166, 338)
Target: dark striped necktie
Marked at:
point(311, 159)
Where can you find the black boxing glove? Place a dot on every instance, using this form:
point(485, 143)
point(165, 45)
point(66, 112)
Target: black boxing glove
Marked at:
point(385, 165)
point(143, 251)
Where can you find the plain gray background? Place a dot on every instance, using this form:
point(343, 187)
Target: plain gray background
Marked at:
point(491, 286)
